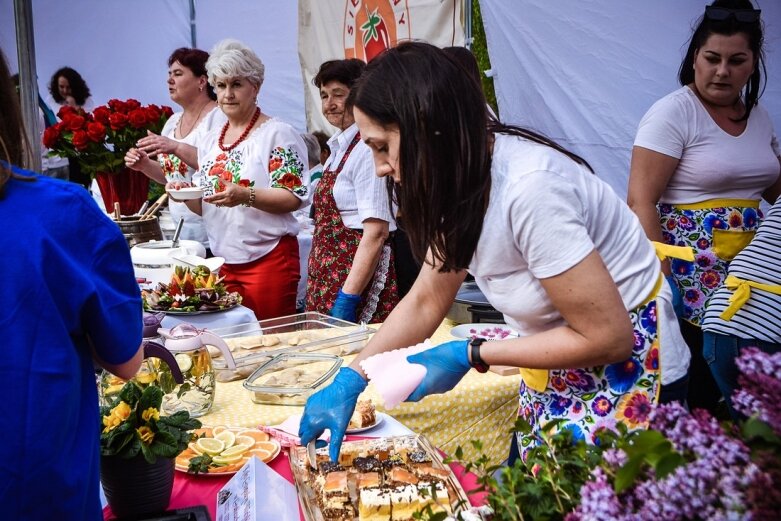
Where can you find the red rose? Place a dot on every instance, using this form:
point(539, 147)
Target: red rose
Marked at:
point(117, 121)
point(117, 105)
point(153, 114)
point(74, 122)
point(101, 115)
point(64, 110)
point(96, 131)
point(80, 140)
point(167, 111)
point(137, 118)
point(132, 104)
point(51, 135)
point(290, 181)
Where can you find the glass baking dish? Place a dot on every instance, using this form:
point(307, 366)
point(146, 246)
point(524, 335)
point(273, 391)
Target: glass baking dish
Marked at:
point(290, 378)
point(253, 343)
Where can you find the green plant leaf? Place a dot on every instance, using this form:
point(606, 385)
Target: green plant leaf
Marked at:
point(165, 445)
point(149, 456)
point(667, 464)
point(130, 394)
point(626, 475)
point(151, 397)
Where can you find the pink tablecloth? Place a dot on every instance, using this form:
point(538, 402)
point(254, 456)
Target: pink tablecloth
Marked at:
point(202, 490)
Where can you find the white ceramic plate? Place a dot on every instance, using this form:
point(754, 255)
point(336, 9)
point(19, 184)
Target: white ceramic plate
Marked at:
point(487, 331)
point(379, 417)
point(187, 193)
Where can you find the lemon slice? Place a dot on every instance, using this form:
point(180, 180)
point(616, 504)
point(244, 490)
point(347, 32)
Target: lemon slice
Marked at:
point(194, 447)
point(262, 454)
point(227, 437)
point(184, 362)
point(226, 460)
point(218, 429)
point(210, 446)
point(236, 449)
point(249, 441)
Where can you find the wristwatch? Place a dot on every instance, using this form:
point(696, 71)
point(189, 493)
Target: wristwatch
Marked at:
point(477, 362)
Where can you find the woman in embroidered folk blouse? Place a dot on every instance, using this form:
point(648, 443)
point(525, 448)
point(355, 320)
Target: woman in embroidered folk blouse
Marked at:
point(253, 174)
point(351, 270)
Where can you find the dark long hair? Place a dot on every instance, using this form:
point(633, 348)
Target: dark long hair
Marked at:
point(195, 60)
point(14, 148)
point(79, 89)
point(753, 31)
point(444, 151)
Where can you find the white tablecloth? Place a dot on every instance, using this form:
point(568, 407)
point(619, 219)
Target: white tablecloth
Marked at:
point(232, 317)
point(304, 247)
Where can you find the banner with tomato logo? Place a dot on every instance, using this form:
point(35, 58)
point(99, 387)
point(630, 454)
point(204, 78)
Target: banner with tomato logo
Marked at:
point(338, 29)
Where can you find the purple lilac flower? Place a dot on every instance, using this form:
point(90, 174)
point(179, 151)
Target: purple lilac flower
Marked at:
point(760, 391)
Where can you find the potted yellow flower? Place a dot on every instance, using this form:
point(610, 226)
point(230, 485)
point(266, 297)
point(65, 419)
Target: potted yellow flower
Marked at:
point(138, 447)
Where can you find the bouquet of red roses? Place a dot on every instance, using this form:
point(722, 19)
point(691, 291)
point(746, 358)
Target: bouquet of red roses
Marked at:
point(100, 139)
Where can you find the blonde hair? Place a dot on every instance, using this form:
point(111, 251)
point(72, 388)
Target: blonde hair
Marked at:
point(232, 59)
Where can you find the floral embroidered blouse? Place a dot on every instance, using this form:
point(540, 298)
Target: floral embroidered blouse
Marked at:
point(270, 157)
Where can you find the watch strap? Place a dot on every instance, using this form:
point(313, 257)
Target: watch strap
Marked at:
point(477, 362)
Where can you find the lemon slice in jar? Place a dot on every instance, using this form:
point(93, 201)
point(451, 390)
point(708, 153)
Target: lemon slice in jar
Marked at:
point(184, 362)
point(227, 437)
point(210, 446)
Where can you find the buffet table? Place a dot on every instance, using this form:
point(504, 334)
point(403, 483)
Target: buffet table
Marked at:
point(481, 407)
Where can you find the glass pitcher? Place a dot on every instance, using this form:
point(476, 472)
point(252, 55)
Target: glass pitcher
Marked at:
point(158, 361)
point(189, 344)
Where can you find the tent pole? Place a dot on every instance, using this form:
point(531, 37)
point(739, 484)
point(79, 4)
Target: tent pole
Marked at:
point(468, 24)
point(192, 25)
point(28, 78)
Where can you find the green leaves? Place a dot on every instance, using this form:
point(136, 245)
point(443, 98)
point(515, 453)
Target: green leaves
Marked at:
point(646, 450)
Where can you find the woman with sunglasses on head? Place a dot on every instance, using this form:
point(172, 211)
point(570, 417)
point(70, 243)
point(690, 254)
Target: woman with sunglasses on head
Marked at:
point(550, 245)
point(176, 148)
point(703, 158)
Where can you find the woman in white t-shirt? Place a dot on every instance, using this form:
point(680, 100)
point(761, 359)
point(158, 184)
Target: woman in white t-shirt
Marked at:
point(549, 244)
point(176, 148)
point(253, 175)
point(703, 158)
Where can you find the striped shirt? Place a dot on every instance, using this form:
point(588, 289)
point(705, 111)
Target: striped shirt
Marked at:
point(760, 261)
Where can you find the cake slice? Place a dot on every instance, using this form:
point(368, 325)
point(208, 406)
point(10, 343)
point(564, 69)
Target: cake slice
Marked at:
point(374, 504)
point(405, 501)
point(363, 416)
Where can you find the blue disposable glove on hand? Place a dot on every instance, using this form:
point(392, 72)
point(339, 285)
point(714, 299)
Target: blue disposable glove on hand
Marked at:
point(331, 408)
point(345, 306)
point(446, 364)
point(677, 299)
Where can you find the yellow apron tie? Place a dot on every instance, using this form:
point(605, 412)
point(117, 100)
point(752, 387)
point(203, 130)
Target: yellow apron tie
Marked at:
point(665, 251)
point(742, 292)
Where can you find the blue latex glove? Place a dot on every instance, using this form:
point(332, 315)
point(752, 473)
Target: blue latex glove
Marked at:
point(345, 306)
point(446, 364)
point(677, 298)
point(331, 408)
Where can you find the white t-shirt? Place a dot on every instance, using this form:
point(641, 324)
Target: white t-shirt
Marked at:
point(272, 156)
point(713, 164)
point(760, 261)
point(546, 214)
point(358, 192)
point(176, 170)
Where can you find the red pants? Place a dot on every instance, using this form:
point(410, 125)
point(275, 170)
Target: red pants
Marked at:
point(268, 285)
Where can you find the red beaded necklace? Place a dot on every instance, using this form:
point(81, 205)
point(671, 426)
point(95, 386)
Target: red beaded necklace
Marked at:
point(243, 135)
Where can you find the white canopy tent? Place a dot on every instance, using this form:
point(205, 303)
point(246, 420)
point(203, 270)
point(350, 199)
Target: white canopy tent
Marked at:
point(582, 71)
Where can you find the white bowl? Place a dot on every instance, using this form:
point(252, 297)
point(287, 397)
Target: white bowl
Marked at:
point(487, 331)
point(185, 194)
point(213, 263)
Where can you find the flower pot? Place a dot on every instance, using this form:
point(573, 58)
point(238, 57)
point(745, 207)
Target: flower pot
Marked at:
point(134, 487)
point(127, 187)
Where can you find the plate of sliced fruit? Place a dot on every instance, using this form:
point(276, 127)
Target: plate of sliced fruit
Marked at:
point(191, 291)
point(221, 450)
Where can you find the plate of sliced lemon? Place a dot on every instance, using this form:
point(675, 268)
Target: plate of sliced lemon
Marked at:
point(224, 450)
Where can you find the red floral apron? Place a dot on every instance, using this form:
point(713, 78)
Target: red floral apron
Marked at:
point(333, 250)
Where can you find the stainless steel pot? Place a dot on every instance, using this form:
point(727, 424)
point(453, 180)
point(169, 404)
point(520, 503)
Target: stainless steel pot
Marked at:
point(470, 306)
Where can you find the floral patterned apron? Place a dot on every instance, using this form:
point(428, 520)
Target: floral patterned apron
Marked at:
point(593, 399)
point(717, 229)
point(333, 250)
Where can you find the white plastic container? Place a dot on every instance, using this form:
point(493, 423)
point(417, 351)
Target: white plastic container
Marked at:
point(152, 260)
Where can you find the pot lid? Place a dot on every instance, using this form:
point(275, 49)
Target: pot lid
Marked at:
point(471, 294)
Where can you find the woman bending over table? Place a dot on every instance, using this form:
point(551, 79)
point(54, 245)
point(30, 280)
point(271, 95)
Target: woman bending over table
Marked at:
point(550, 245)
point(253, 175)
point(176, 147)
point(352, 275)
point(703, 157)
